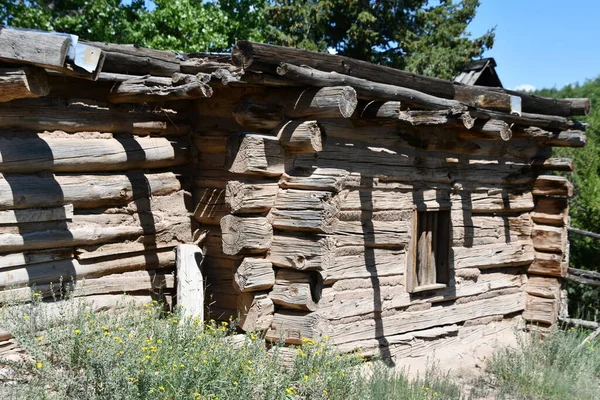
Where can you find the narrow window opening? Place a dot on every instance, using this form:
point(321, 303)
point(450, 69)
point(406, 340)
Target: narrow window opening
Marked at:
point(432, 242)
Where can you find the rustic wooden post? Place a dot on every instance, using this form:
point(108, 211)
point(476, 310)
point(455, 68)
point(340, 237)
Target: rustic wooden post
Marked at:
point(190, 285)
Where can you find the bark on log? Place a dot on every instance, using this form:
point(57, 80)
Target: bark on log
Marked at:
point(73, 269)
point(258, 115)
point(22, 83)
point(29, 215)
point(367, 89)
point(254, 274)
point(245, 235)
point(243, 197)
point(541, 310)
point(255, 154)
point(255, 312)
point(296, 289)
point(83, 191)
point(302, 252)
point(549, 238)
point(49, 115)
point(136, 92)
point(300, 137)
point(548, 264)
point(33, 154)
point(493, 256)
point(246, 53)
point(552, 186)
point(135, 60)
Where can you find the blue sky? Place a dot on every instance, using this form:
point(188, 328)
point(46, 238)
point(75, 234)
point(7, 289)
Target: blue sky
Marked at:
point(543, 43)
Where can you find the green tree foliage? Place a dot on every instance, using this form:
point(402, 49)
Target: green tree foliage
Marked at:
point(407, 34)
point(585, 205)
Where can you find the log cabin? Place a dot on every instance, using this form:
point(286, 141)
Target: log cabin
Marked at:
point(330, 196)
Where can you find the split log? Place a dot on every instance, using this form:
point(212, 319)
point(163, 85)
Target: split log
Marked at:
point(548, 264)
point(254, 274)
point(244, 197)
point(246, 235)
point(317, 221)
point(367, 89)
point(34, 257)
point(552, 186)
point(92, 229)
point(373, 233)
point(245, 53)
point(258, 115)
point(551, 211)
point(73, 269)
point(300, 137)
point(29, 215)
point(495, 200)
point(83, 191)
point(553, 164)
point(51, 114)
point(46, 50)
point(302, 252)
point(549, 238)
point(32, 154)
point(210, 205)
point(135, 60)
point(543, 287)
point(138, 92)
point(541, 310)
point(255, 154)
point(22, 83)
point(296, 289)
point(331, 179)
point(190, 283)
point(476, 230)
point(255, 312)
point(493, 256)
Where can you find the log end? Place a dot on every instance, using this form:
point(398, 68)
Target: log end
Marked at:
point(242, 54)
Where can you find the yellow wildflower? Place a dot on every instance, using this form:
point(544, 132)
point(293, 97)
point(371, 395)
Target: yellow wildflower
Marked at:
point(235, 383)
point(291, 390)
point(161, 388)
point(40, 364)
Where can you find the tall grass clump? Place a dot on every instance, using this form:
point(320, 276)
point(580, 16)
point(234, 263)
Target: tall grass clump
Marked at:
point(553, 367)
point(76, 353)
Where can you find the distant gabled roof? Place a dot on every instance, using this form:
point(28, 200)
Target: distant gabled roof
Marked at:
point(481, 73)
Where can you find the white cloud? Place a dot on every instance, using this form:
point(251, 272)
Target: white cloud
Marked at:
point(525, 87)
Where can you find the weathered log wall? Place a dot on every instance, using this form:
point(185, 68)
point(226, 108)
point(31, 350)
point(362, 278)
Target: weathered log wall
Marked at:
point(92, 195)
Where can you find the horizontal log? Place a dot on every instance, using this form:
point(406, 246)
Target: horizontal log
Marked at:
point(210, 205)
point(254, 274)
point(552, 186)
point(245, 235)
point(46, 114)
point(553, 164)
point(302, 252)
point(83, 191)
point(317, 221)
point(255, 154)
point(135, 60)
point(367, 89)
point(22, 83)
point(365, 263)
point(527, 120)
point(332, 179)
point(250, 197)
point(476, 230)
point(580, 323)
point(583, 232)
point(296, 289)
point(258, 115)
point(32, 154)
point(549, 238)
point(34, 257)
point(138, 92)
point(43, 49)
point(568, 138)
point(481, 97)
point(255, 312)
point(493, 129)
point(73, 269)
point(125, 247)
point(379, 110)
point(29, 215)
point(551, 211)
point(545, 105)
point(93, 229)
point(548, 264)
point(541, 310)
point(379, 234)
point(543, 287)
point(300, 137)
point(585, 277)
point(493, 256)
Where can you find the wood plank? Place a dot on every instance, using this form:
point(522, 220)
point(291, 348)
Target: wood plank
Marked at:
point(83, 191)
point(22, 83)
point(28, 215)
point(190, 283)
point(33, 154)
